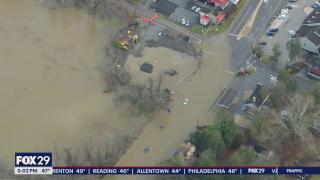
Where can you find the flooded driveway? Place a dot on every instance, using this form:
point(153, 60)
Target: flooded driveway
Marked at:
point(51, 80)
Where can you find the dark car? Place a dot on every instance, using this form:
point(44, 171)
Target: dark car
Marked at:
point(289, 7)
point(273, 30)
point(270, 34)
point(292, 1)
point(262, 43)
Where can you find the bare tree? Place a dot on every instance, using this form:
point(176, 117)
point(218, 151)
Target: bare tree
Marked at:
point(298, 121)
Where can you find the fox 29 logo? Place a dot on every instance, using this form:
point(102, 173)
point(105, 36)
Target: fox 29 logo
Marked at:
point(40, 159)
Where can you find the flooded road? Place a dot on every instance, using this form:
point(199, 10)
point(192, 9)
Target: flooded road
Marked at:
point(51, 80)
point(201, 90)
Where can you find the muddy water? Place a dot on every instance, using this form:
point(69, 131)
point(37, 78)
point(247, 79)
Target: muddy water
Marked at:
point(162, 60)
point(51, 80)
point(201, 90)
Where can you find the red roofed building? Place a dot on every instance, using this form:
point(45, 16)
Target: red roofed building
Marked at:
point(221, 3)
point(220, 18)
point(204, 20)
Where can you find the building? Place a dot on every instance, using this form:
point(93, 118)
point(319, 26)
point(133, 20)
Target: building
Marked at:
point(204, 20)
point(220, 18)
point(256, 102)
point(165, 7)
point(216, 16)
point(310, 39)
point(309, 32)
point(220, 3)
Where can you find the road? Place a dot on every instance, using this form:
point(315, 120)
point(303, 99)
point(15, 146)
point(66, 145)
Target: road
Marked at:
point(240, 48)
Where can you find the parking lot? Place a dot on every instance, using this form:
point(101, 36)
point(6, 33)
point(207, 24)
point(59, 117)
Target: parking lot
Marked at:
point(287, 25)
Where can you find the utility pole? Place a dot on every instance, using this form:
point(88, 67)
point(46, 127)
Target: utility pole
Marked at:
point(220, 87)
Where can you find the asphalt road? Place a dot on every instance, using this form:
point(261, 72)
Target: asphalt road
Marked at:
point(240, 49)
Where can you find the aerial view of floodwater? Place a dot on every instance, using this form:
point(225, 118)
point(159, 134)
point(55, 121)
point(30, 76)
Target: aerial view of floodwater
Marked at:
point(51, 79)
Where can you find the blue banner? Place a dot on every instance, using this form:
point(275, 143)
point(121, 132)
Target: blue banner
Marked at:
point(185, 170)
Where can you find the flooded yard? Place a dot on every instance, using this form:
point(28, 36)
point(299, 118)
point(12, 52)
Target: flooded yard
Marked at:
point(163, 60)
point(52, 82)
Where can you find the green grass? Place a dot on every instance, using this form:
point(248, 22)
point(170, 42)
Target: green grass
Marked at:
point(266, 59)
point(215, 30)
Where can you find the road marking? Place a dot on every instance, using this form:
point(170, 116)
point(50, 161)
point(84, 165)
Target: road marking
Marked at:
point(236, 35)
point(240, 22)
point(210, 53)
point(267, 3)
point(240, 14)
point(230, 72)
point(247, 27)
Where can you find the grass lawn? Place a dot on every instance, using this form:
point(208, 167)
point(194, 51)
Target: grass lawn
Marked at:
point(266, 59)
point(214, 30)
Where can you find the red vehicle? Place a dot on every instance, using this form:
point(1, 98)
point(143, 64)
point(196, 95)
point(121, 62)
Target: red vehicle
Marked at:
point(314, 72)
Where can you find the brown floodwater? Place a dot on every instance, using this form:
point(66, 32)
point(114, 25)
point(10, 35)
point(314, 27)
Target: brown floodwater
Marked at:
point(51, 80)
point(192, 100)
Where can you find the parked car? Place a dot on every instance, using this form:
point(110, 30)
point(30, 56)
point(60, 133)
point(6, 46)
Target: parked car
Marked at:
point(161, 33)
point(262, 43)
point(270, 34)
point(187, 23)
point(292, 32)
point(274, 30)
point(292, 1)
point(183, 21)
point(289, 7)
point(193, 8)
point(197, 9)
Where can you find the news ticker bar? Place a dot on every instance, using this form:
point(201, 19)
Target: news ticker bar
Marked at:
point(167, 170)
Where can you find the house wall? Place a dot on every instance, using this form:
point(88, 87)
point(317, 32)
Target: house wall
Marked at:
point(308, 45)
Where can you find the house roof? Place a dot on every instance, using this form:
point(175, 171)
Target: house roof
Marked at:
point(305, 30)
point(220, 17)
point(166, 7)
point(313, 17)
point(311, 23)
point(220, 2)
point(256, 97)
point(314, 37)
point(205, 18)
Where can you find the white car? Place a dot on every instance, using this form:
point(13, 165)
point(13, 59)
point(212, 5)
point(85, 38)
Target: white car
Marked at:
point(183, 21)
point(193, 8)
point(292, 32)
point(197, 9)
point(187, 23)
